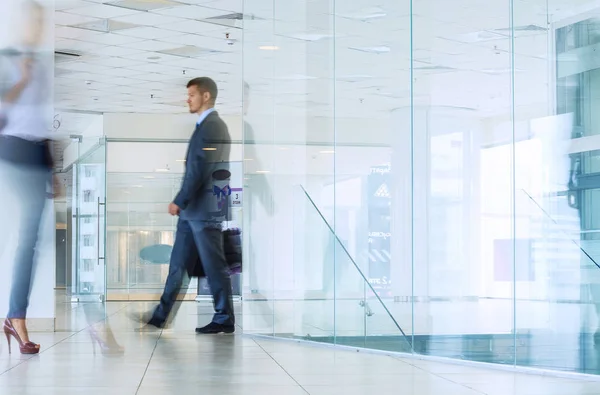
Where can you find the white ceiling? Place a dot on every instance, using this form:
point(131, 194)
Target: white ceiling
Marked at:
point(139, 61)
point(460, 54)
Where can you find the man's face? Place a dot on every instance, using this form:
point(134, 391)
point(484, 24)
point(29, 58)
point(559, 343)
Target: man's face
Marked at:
point(196, 99)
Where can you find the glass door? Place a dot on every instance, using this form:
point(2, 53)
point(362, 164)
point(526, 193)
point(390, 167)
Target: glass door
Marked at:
point(89, 225)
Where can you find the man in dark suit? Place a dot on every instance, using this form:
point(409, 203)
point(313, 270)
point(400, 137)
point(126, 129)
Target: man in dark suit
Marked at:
point(202, 206)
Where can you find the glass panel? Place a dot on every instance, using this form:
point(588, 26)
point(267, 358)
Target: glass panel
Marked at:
point(462, 186)
point(89, 195)
point(555, 275)
point(142, 179)
point(139, 191)
point(340, 305)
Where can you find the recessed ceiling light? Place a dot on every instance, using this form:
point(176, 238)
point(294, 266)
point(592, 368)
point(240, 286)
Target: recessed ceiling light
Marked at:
point(268, 47)
point(327, 152)
point(262, 171)
point(137, 186)
point(162, 170)
point(179, 160)
point(148, 177)
point(209, 149)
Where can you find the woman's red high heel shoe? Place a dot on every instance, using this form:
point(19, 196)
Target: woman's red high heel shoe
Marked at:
point(25, 348)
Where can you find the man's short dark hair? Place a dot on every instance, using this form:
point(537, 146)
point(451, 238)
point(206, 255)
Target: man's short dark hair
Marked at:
point(205, 84)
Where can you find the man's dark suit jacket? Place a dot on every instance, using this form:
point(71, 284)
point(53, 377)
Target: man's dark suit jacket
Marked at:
point(208, 153)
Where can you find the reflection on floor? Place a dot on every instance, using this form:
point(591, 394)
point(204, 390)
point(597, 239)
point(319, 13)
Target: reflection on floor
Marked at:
point(100, 351)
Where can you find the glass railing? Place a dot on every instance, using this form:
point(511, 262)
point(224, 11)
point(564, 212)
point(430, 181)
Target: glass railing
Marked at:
point(334, 301)
point(553, 313)
point(557, 291)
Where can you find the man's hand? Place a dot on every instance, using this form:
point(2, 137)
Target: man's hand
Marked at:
point(174, 209)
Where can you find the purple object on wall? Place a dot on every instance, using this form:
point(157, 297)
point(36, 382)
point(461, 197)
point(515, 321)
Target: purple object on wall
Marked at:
point(521, 260)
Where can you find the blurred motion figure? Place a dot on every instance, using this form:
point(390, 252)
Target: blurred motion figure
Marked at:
point(25, 157)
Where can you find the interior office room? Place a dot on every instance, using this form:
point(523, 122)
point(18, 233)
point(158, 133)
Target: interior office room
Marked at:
point(414, 182)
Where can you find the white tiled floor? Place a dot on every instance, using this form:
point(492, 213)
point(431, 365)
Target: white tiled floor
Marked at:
point(177, 361)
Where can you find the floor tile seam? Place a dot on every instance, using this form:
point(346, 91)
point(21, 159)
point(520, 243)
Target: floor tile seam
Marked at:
point(75, 333)
point(149, 362)
point(282, 368)
point(439, 375)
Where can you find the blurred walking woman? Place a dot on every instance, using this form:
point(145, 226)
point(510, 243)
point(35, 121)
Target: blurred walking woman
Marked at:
point(26, 112)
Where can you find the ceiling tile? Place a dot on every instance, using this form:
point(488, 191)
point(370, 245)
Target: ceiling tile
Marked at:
point(72, 33)
point(116, 51)
point(190, 12)
point(65, 19)
point(117, 62)
point(103, 11)
point(77, 46)
point(187, 26)
point(106, 26)
point(154, 57)
point(148, 33)
point(127, 89)
point(157, 68)
point(84, 67)
point(155, 76)
point(149, 19)
point(200, 41)
point(226, 5)
point(112, 39)
point(144, 5)
point(84, 76)
point(122, 72)
point(150, 45)
point(60, 5)
point(127, 82)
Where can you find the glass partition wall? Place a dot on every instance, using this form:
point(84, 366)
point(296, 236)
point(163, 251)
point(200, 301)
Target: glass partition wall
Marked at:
point(142, 178)
point(420, 177)
point(88, 221)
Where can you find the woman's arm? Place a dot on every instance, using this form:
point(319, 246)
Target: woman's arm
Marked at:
point(13, 93)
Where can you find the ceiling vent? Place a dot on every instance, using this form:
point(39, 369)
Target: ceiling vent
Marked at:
point(105, 26)
point(376, 50)
point(434, 69)
point(524, 28)
point(65, 56)
point(144, 5)
point(234, 20)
